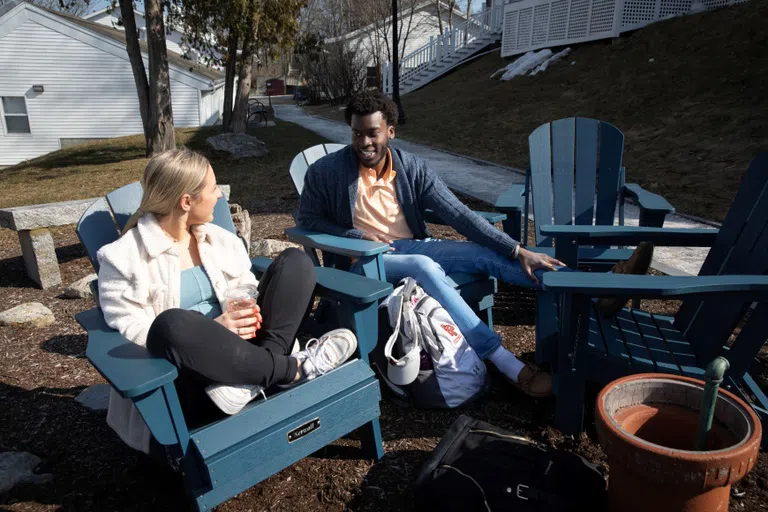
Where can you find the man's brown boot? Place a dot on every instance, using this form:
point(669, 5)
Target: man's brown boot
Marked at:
point(638, 264)
point(533, 381)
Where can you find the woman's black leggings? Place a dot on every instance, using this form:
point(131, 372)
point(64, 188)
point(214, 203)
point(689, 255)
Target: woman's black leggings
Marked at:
point(206, 352)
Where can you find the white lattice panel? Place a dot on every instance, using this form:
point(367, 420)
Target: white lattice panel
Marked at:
point(534, 24)
point(558, 20)
point(525, 27)
point(540, 24)
point(601, 19)
point(674, 7)
point(509, 40)
point(578, 19)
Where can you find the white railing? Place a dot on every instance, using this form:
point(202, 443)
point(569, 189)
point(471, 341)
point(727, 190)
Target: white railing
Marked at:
point(534, 24)
point(440, 48)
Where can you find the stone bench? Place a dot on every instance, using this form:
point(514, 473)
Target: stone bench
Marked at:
point(37, 247)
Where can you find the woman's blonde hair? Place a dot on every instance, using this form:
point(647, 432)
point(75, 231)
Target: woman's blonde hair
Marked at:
point(167, 177)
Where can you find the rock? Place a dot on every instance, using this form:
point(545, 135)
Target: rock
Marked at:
point(238, 145)
point(29, 314)
point(242, 221)
point(270, 248)
point(95, 397)
point(39, 253)
point(18, 468)
point(80, 289)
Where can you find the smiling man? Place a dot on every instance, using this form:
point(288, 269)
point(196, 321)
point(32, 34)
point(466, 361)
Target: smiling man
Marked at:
point(371, 191)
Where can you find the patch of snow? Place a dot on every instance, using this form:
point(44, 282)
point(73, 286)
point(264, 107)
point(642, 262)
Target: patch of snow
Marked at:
point(522, 65)
point(544, 65)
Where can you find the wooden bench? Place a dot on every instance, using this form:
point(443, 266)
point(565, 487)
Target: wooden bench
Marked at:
point(37, 247)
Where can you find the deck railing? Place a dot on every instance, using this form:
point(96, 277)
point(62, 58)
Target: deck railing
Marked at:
point(440, 48)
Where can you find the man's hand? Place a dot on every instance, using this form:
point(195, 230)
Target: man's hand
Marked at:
point(531, 261)
point(244, 322)
point(378, 238)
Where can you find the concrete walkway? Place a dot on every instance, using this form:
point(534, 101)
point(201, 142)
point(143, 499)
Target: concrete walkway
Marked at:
point(485, 181)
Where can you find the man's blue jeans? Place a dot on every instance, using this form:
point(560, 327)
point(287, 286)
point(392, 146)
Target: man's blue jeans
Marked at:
point(428, 261)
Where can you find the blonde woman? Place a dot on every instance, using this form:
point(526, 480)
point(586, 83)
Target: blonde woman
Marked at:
point(162, 285)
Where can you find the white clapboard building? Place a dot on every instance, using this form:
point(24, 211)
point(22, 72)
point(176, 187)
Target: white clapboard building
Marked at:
point(65, 80)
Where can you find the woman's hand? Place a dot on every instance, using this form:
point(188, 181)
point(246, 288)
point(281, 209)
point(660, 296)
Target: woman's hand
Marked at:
point(244, 322)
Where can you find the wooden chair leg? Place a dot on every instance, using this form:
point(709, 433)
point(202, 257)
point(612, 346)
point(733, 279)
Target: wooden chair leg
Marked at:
point(371, 441)
point(547, 321)
point(570, 376)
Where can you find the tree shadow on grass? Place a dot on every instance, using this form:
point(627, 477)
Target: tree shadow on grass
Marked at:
point(92, 468)
point(86, 155)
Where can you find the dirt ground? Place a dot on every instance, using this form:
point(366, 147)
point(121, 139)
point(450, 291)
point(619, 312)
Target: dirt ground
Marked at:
point(43, 370)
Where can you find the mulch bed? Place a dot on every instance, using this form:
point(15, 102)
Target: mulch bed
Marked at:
point(43, 370)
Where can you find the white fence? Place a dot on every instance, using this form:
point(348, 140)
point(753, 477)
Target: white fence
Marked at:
point(533, 24)
point(442, 47)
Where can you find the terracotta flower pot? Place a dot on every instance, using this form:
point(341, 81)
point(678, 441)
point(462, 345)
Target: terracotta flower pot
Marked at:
point(647, 426)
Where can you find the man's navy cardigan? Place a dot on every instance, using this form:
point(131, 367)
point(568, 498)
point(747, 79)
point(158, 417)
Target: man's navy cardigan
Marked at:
point(330, 189)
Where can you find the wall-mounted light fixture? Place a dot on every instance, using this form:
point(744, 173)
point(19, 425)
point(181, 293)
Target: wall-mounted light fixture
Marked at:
point(38, 88)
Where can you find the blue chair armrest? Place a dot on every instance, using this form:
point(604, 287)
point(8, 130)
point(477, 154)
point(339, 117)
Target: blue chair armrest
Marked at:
point(747, 287)
point(129, 368)
point(351, 247)
point(512, 199)
point(346, 286)
point(648, 200)
point(491, 217)
point(339, 284)
point(630, 235)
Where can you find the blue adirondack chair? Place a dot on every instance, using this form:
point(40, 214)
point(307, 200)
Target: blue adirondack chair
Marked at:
point(477, 290)
point(732, 287)
point(224, 458)
point(581, 159)
point(576, 177)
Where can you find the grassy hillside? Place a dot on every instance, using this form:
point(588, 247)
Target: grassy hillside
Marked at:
point(693, 116)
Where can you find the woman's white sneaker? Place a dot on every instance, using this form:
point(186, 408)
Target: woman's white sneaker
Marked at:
point(325, 354)
point(232, 399)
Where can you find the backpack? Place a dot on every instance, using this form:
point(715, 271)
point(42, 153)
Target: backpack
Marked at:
point(477, 466)
point(426, 360)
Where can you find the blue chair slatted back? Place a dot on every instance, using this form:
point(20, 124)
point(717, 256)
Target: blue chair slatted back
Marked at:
point(124, 202)
point(575, 158)
point(303, 160)
point(105, 219)
point(96, 228)
point(741, 247)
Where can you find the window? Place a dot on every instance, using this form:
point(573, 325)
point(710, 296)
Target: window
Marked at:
point(15, 115)
point(372, 76)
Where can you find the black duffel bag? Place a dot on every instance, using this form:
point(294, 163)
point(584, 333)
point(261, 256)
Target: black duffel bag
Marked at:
point(477, 466)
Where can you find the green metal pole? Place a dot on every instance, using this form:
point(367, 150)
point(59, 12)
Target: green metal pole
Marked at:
point(714, 377)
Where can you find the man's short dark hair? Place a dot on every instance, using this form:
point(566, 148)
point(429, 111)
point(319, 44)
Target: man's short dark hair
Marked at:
point(369, 102)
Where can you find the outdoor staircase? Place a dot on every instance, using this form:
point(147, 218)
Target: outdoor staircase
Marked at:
point(446, 51)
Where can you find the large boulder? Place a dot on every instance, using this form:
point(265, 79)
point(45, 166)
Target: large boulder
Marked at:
point(238, 145)
point(29, 314)
point(80, 289)
point(270, 248)
point(19, 468)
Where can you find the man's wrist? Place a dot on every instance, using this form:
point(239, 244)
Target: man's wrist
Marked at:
point(516, 252)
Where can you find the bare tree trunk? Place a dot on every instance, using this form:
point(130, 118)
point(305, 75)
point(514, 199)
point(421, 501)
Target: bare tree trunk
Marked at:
point(245, 73)
point(469, 13)
point(229, 80)
point(161, 136)
point(396, 66)
point(137, 64)
point(439, 16)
